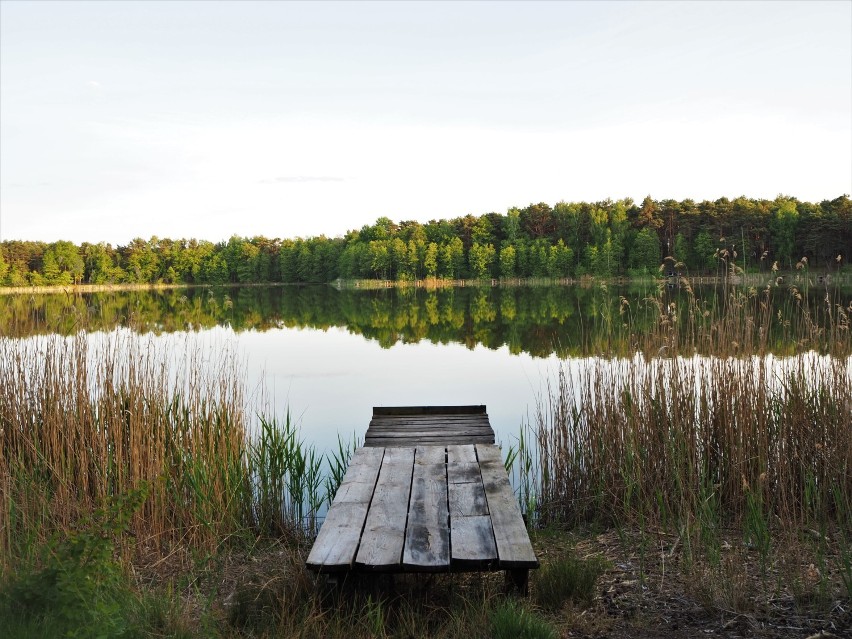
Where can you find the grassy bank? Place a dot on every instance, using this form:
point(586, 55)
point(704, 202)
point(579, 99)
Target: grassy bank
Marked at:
point(144, 495)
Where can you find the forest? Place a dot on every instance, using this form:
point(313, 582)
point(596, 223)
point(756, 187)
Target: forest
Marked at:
point(566, 240)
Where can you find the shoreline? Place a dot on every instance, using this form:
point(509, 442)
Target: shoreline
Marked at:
point(748, 279)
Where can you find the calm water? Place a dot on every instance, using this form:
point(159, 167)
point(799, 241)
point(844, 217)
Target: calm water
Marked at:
point(329, 356)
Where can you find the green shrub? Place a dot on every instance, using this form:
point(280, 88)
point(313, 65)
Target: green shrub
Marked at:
point(77, 589)
point(510, 620)
point(571, 578)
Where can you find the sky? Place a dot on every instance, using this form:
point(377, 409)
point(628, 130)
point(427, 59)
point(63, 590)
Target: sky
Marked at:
point(285, 119)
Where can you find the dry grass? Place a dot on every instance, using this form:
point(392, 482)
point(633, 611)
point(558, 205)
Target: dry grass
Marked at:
point(680, 439)
point(784, 317)
point(86, 419)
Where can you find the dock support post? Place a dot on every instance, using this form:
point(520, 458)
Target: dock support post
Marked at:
point(518, 580)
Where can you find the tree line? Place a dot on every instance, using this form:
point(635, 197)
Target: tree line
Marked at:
point(564, 240)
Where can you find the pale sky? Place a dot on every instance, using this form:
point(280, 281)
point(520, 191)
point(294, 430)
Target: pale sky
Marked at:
point(285, 119)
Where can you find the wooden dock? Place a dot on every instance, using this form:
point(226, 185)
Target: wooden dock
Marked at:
point(428, 492)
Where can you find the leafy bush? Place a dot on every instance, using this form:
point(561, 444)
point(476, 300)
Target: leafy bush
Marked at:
point(510, 620)
point(77, 589)
point(565, 579)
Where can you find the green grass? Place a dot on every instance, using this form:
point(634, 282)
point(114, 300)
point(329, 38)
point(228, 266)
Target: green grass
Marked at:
point(511, 620)
point(569, 579)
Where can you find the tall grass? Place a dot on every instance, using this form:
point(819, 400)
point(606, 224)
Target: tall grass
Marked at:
point(784, 316)
point(672, 438)
point(735, 434)
point(84, 420)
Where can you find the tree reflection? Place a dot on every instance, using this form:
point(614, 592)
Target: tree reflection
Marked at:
point(539, 320)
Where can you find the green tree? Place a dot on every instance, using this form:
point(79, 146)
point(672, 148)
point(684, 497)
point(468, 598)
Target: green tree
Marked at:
point(512, 224)
point(681, 248)
point(561, 259)
point(246, 262)
point(380, 259)
point(785, 221)
point(62, 264)
point(399, 262)
point(4, 268)
point(430, 260)
point(305, 264)
point(704, 253)
point(100, 266)
point(537, 220)
point(142, 262)
point(287, 261)
point(451, 259)
point(645, 255)
point(481, 257)
point(507, 261)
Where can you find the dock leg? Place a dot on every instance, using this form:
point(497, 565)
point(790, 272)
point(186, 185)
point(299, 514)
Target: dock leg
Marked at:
point(518, 580)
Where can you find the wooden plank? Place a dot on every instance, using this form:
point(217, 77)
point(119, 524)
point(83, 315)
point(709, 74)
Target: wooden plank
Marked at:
point(510, 534)
point(425, 425)
point(427, 537)
point(426, 410)
point(463, 473)
point(384, 531)
point(431, 441)
point(431, 419)
point(461, 454)
point(427, 435)
point(429, 430)
point(471, 535)
point(337, 541)
point(473, 541)
point(437, 422)
point(467, 425)
point(454, 432)
point(466, 492)
point(467, 499)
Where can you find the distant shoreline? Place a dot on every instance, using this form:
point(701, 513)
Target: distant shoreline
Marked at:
point(73, 289)
point(753, 279)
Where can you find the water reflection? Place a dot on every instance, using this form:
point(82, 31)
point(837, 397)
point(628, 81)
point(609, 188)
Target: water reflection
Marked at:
point(569, 321)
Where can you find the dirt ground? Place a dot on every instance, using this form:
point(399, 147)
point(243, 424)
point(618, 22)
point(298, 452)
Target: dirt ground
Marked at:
point(648, 589)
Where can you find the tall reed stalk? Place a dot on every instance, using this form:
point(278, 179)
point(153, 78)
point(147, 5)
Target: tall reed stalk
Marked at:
point(85, 419)
point(781, 317)
point(663, 438)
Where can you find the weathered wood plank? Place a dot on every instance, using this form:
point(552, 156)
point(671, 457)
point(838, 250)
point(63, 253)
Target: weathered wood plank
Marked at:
point(472, 541)
point(436, 436)
point(513, 543)
point(426, 410)
point(431, 432)
point(431, 441)
point(461, 454)
point(430, 426)
point(427, 537)
point(338, 538)
point(471, 535)
point(463, 473)
point(466, 492)
point(466, 500)
point(436, 423)
point(384, 531)
point(431, 419)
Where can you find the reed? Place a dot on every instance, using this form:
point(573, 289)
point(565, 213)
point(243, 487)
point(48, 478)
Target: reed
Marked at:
point(784, 316)
point(686, 439)
point(84, 420)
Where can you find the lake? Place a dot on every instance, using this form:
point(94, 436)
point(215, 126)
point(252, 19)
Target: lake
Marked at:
point(328, 355)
